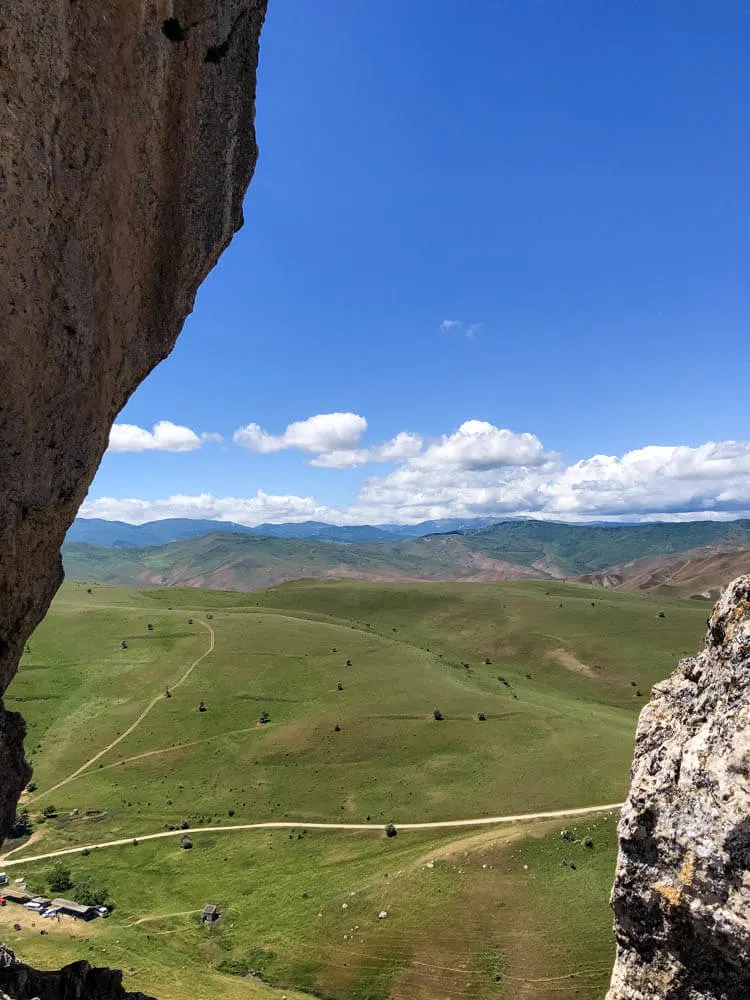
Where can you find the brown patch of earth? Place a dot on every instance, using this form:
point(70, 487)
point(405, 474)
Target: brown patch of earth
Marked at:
point(571, 662)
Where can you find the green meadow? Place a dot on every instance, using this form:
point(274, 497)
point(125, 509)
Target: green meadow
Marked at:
point(348, 675)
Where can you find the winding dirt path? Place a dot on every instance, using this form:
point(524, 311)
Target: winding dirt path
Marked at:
point(154, 701)
point(447, 824)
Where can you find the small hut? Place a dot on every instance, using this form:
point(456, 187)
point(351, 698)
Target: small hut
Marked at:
point(210, 913)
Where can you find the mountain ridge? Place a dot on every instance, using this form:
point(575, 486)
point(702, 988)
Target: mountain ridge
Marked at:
point(227, 560)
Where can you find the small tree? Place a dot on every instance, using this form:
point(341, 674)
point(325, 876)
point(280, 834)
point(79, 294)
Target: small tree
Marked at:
point(150, 627)
point(123, 645)
point(202, 707)
point(390, 830)
point(437, 715)
point(264, 717)
point(89, 892)
point(49, 811)
point(186, 843)
point(22, 826)
point(60, 879)
point(339, 686)
point(481, 717)
point(31, 787)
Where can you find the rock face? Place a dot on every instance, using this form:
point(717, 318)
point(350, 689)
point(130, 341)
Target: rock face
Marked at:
point(682, 890)
point(78, 981)
point(126, 146)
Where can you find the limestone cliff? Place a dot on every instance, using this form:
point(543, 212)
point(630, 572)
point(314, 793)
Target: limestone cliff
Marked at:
point(682, 890)
point(126, 146)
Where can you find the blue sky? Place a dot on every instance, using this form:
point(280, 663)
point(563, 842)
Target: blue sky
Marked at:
point(516, 232)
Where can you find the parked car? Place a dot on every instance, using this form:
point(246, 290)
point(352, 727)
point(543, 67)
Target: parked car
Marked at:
point(31, 905)
point(3, 901)
point(102, 911)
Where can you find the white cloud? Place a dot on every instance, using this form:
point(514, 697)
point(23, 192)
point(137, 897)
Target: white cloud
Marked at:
point(458, 325)
point(242, 510)
point(479, 445)
point(477, 470)
point(324, 432)
point(165, 436)
point(398, 449)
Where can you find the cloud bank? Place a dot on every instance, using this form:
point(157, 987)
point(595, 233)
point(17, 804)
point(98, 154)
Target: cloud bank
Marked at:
point(476, 470)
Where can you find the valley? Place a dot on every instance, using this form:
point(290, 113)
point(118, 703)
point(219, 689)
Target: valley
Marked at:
point(349, 677)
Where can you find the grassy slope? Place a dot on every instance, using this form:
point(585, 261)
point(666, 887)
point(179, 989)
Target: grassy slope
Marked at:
point(565, 740)
point(580, 549)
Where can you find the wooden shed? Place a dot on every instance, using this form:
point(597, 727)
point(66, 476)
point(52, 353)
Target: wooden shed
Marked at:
point(210, 913)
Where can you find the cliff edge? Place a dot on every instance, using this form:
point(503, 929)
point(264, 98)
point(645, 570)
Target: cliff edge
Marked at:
point(126, 146)
point(682, 890)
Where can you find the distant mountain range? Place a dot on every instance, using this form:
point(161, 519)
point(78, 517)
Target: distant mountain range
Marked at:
point(118, 534)
point(695, 558)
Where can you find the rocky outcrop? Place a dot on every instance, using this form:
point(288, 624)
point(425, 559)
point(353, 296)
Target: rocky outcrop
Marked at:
point(682, 890)
point(126, 146)
point(78, 981)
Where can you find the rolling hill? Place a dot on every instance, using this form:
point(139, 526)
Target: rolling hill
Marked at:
point(636, 556)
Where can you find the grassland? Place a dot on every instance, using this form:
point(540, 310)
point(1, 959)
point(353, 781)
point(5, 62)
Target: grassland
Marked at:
point(558, 733)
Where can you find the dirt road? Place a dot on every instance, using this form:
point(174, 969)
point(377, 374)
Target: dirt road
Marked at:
point(447, 824)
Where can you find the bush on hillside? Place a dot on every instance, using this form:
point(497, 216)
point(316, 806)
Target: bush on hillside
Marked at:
point(60, 878)
point(31, 787)
point(185, 842)
point(264, 718)
point(22, 826)
point(437, 715)
point(89, 892)
point(390, 830)
point(49, 811)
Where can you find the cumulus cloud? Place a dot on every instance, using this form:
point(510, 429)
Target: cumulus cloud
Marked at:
point(165, 436)
point(478, 445)
point(242, 510)
point(324, 432)
point(656, 480)
point(400, 448)
point(478, 469)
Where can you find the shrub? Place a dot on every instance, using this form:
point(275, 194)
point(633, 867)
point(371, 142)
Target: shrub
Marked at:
point(22, 826)
point(31, 787)
point(202, 706)
point(264, 717)
point(437, 715)
point(49, 811)
point(185, 842)
point(89, 892)
point(588, 842)
point(390, 830)
point(60, 879)
point(481, 717)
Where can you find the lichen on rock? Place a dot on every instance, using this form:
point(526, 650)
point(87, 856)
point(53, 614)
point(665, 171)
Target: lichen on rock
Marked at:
point(681, 896)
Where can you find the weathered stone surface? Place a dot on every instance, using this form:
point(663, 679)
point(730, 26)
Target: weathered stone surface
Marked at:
point(126, 146)
point(78, 981)
point(682, 890)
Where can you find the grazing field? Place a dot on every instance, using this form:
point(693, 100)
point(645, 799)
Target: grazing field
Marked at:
point(348, 676)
